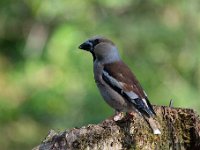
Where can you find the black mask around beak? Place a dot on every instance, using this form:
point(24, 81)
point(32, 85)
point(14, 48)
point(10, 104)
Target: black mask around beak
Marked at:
point(88, 46)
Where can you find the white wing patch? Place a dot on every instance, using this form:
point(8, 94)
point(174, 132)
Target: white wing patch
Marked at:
point(118, 84)
point(113, 80)
point(144, 100)
point(140, 103)
point(132, 95)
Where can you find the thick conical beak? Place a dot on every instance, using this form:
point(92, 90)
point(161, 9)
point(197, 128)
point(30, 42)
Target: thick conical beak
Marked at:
point(86, 46)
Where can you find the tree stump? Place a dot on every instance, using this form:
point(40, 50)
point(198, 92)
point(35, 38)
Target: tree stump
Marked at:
point(180, 130)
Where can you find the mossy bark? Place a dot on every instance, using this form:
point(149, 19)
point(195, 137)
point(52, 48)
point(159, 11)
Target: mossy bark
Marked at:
point(180, 131)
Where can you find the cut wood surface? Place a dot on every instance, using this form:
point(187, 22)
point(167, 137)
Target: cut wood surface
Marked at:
point(180, 131)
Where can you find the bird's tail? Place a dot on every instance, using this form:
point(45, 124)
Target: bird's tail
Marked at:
point(153, 125)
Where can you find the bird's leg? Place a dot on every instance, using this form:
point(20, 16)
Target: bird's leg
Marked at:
point(153, 125)
point(118, 116)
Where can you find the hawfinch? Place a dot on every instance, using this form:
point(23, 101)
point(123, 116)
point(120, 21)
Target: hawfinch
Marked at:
point(117, 84)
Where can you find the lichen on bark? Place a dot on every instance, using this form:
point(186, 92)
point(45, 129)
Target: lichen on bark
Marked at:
point(180, 130)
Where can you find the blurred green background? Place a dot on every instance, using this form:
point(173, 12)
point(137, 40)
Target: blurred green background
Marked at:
point(47, 83)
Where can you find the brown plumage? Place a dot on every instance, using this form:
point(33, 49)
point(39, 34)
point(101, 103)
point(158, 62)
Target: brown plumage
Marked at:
point(120, 71)
point(116, 82)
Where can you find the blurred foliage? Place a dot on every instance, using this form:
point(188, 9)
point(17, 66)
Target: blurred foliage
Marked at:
point(46, 82)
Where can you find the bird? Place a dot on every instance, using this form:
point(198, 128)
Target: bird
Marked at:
point(116, 82)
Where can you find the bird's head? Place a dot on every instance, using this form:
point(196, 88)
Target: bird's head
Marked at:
point(101, 48)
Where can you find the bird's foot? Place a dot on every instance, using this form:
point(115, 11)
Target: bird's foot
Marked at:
point(118, 116)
